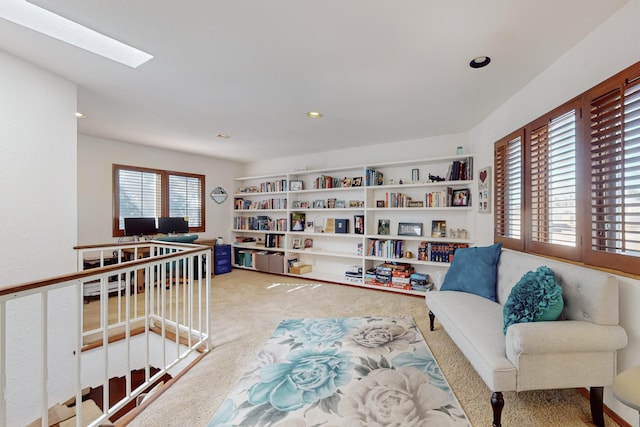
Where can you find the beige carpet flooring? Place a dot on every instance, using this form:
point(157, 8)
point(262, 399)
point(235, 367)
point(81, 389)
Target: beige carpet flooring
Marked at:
point(246, 308)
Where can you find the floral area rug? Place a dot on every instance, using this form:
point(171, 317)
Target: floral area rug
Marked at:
point(351, 371)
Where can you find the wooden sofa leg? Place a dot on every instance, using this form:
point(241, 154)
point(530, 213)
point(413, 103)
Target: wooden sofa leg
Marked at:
point(597, 412)
point(497, 403)
point(432, 319)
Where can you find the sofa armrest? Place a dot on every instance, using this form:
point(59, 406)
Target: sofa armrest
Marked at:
point(563, 336)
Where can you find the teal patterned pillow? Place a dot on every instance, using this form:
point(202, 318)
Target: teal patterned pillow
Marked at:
point(536, 297)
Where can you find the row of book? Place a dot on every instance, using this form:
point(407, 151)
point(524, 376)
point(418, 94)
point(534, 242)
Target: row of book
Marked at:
point(259, 222)
point(274, 241)
point(245, 204)
point(373, 177)
point(438, 252)
point(439, 199)
point(266, 187)
point(460, 170)
point(390, 248)
point(397, 200)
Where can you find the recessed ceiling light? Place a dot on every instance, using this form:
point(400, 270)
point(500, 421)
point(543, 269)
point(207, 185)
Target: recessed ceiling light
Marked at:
point(314, 114)
point(223, 136)
point(48, 23)
point(479, 62)
point(80, 115)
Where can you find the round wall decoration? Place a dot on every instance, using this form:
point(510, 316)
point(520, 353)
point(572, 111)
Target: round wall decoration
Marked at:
point(219, 195)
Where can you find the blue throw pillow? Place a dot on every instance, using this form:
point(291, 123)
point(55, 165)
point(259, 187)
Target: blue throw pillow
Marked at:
point(536, 297)
point(474, 270)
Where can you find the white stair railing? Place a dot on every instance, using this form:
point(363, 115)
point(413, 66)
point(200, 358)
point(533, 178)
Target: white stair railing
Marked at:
point(152, 312)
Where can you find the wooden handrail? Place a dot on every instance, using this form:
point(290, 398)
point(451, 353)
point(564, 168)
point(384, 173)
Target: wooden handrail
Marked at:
point(36, 284)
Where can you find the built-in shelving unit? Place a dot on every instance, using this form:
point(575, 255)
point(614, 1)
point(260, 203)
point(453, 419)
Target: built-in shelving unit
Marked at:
point(327, 224)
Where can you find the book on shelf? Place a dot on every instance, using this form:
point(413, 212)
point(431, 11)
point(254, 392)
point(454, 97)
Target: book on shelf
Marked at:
point(330, 225)
point(358, 224)
point(460, 170)
point(373, 177)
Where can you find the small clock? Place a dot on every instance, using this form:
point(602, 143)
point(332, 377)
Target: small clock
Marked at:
point(218, 195)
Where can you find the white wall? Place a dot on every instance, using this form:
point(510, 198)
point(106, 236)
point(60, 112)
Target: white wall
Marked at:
point(607, 50)
point(95, 159)
point(39, 209)
point(423, 148)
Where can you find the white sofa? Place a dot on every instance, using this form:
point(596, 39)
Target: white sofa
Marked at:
point(578, 351)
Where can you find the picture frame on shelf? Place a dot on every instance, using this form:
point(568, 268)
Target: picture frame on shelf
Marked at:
point(298, 221)
point(346, 182)
point(309, 227)
point(410, 229)
point(296, 204)
point(358, 224)
point(318, 204)
point(379, 203)
point(460, 197)
point(296, 185)
point(438, 228)
point(308, 243)
point(331, 203)
point(357, 181)
point(415, 175)
point(340, 204)
point(297, 243)
point(384, 226)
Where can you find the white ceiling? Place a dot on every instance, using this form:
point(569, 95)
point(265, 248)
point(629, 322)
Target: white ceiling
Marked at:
point(379, 70)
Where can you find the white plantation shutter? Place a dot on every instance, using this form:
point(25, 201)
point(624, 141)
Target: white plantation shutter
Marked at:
point(185, 198)
point(139, 195)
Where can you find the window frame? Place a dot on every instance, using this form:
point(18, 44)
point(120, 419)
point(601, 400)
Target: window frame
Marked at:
point(500, 202)
point(164, 194)
point(585, 228)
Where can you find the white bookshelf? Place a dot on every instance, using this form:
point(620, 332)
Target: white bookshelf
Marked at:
point(322, 199)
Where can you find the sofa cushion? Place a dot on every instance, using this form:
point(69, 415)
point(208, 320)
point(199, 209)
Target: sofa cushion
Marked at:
point(473, 270)
point(536, 297)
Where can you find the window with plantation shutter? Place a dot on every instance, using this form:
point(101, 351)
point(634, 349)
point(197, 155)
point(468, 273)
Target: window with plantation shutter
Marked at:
point(185, 198)
point(508, 192)
point(552, 177)
point(614, 131)
point(580, 182)
point(151, 193)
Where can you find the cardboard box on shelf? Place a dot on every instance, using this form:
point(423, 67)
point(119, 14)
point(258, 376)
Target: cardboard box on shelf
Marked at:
point(306, 268)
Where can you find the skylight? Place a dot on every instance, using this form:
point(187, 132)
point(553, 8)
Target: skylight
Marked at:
point(48, 23)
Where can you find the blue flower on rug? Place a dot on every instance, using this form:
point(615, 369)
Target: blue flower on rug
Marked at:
point(318, 332)
point(397, 397)
point(422, 360)
point(307, 377)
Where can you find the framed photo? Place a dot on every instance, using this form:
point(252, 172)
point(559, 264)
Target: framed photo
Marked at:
point(309, 227)
point(318, 204)
point(357, 182)
point(460, 198)
point(295, 185)
point(331, 203)
point(346, 182)
point(484, 190)
point(297, 243)
point(410, 229)
point(296, 204)
point(415, 175)
point(298, 221)
point(379, 203)
point(438, 228)
point(358, 224)
point(383, 226)
point(340, 204)
point(308, 243)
